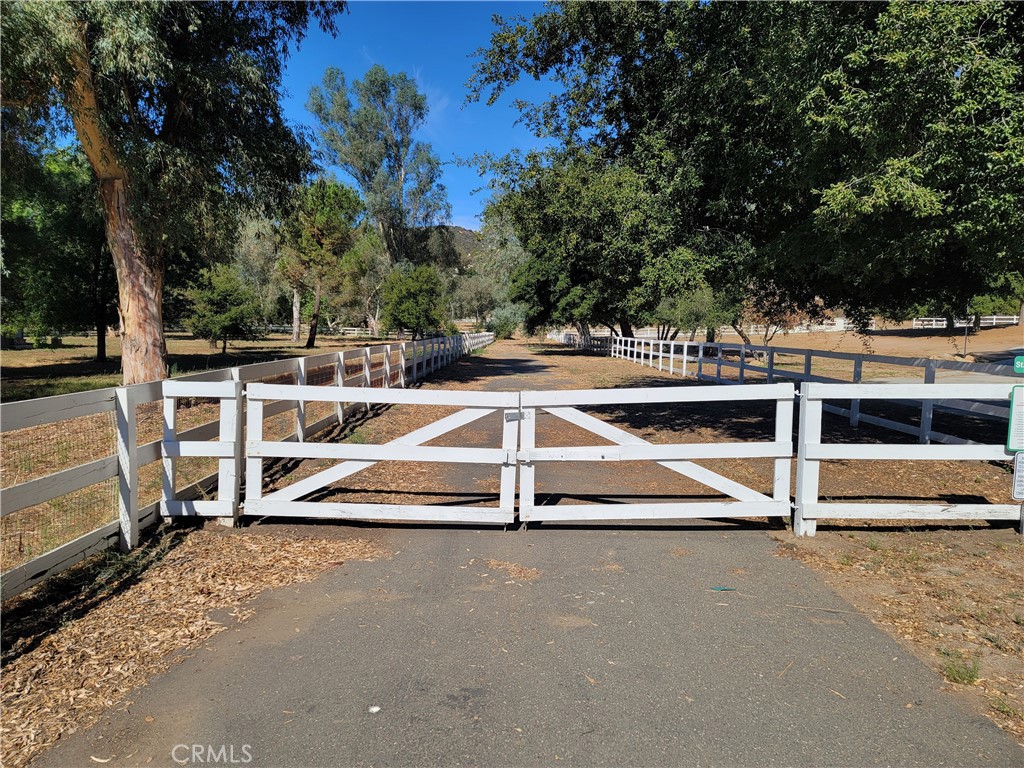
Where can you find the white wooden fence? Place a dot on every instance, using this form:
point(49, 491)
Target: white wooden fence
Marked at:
point(985, 321)
point(812, 452)
point(377, 366)
point(706, 361)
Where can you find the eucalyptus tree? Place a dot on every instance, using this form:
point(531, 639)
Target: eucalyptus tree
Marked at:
point(368, 131)
point(176, 106)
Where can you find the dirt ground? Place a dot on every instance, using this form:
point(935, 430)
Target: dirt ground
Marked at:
point(901, 341)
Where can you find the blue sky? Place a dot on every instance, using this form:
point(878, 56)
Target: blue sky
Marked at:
point(432, 42)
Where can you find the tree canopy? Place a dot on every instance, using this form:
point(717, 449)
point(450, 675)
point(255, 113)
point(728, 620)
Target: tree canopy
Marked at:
point(852, 156)
point(177, 108)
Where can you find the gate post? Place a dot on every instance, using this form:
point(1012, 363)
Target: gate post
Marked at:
point(339, 380)
point(927, 407)
point(527, 470)
point(127, 468)
point(229, 473)
point(807, 471)
point(858, 368)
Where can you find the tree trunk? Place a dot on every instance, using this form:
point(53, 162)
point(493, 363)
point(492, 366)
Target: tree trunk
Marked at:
point(315, 320)
point(743, 334)
point(224, 347)
point(296, 314)
point(140, 282)
point(693, 333)
point(140, 275)
point(627, 329)
point(709, 335)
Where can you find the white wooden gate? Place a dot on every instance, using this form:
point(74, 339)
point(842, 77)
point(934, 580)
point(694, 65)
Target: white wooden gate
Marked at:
point(286, 502)
point(676, 457)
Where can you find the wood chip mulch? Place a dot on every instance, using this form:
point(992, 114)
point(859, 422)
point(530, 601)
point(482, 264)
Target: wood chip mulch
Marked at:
point(81, 669)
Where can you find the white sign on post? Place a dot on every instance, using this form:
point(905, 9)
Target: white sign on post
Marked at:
point(1018, 477)
point(1015, 431)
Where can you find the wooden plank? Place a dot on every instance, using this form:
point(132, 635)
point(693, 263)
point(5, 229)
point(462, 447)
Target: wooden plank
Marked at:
point(459, 399)
point(527, 469)
point(18, 579)
point(334, 474)
point(197, 508)
point(664, 511)
point(651, 452)
point(47, 410)
point(253, 464)
point(387, 452)
point(230, 468)
point(913, 511)
point(582, 397)
point(379, 512)
point(210, 389)
point(885, 452)
point(127, 469)
point(265, 370)
point(807, 470)
point(43, 489)
point(816, 391)
point(693, 471)
point(210, 449)
point(509, 443)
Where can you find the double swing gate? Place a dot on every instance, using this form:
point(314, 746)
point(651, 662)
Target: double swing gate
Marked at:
point(515, 454)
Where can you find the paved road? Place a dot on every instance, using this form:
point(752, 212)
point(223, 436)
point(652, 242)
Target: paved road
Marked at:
point(619, 652)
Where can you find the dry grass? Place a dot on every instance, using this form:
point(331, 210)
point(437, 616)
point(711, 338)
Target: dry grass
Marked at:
point(61, 677)
point(514, 570)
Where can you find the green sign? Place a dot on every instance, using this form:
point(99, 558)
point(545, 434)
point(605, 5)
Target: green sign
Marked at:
point(1018, 364)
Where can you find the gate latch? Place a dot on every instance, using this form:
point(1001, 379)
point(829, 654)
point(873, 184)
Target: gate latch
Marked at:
point(513, 416)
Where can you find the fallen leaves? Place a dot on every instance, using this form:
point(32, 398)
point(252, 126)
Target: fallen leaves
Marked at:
point(80, 670)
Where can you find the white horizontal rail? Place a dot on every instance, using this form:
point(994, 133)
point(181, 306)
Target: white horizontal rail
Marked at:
point(660, 511)
point(374, 453)
point(47, 410)
point(866, 511)
point(886, 452)
point(815, 391)
point(460, 398)
point(381, 512)
point(655, 395)
point(650, 452)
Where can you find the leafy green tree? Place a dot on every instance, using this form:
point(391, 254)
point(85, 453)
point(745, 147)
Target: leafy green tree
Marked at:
point(318, 230)
point(57, 272)
point(413, 300)
point(887, 136)
point(916, 143)
point(373, 141)
point(223, 307)
point(176, 106)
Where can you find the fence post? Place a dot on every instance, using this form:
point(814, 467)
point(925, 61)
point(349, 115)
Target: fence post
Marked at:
point(254, 464)
point(783, 434)
point(743, 360)
point(771, 365)
point(700, 360)
point(927, 406)
point(671, 358)
point(169, 468)
point(807, 471)
point(661, 353)
point(339, 380)
point(229, 474)
point(367, 374)
point(718, 368)
point(858, 372)
point(127, 468)
point(686, 356)
point(300, 405)
point(402, 361)
point(387, 366)
point(807, 365)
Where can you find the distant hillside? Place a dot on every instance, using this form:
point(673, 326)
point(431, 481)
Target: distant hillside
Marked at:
point(467, 243)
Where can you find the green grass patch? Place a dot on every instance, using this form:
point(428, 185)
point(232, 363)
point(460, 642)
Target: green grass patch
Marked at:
point(957, 668)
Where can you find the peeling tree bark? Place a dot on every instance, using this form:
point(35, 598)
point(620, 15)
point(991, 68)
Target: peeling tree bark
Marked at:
point(296, 314)
point(140, 276)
